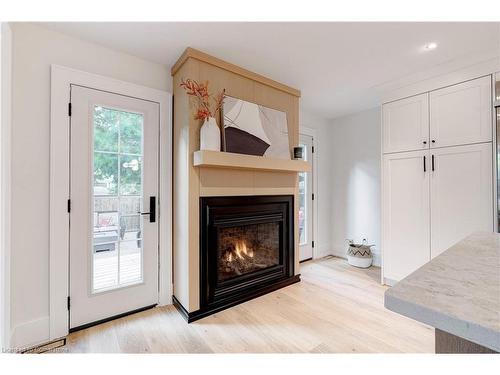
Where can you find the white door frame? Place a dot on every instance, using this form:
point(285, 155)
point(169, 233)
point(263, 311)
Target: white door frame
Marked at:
point(312, 133)
point(61, 79)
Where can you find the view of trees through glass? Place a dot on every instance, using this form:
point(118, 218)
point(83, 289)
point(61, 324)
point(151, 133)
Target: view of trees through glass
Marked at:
point(117, 132)
point(118, 158)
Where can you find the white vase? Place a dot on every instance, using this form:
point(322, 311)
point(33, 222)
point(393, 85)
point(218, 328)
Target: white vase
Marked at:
point(210, 135)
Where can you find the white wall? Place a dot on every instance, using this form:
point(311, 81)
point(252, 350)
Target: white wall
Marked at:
point(348, 168)
point(355, 180)
point(323, 198)
point(34, 50)
point(5, 131)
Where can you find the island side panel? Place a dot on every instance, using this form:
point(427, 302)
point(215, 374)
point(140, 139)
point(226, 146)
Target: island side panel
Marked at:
point(446, 343)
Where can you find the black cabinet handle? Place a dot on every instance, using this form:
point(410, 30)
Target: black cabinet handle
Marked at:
point(424, 142)
point(432, 162)
point(433, 141)
point(152, 210)
point(425, 168)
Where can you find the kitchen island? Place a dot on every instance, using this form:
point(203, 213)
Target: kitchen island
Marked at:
point(458, 293)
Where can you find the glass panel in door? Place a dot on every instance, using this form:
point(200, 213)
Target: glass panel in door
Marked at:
point(117, 198)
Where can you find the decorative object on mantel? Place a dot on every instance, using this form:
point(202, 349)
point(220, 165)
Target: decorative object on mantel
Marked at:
point(359, 255)
point(209, 133)
point(298, 153)
point(254, 129)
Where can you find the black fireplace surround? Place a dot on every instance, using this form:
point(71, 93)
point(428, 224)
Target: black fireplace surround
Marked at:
point(246, 250)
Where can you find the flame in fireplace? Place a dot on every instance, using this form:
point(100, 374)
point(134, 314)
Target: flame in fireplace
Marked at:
point(241, 251)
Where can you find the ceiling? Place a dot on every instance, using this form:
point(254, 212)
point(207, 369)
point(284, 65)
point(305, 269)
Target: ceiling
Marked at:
point(341, 68)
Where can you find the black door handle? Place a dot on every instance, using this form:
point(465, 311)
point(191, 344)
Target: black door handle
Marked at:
point(432, 162)
point(152, 210)
point(425, 168)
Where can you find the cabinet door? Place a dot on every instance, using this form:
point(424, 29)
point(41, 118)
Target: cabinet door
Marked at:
point(406, 124)
point(461, 114)
point(405, 213)
point(461, 194)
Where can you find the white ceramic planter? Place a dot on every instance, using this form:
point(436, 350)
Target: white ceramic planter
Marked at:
point(210, 135)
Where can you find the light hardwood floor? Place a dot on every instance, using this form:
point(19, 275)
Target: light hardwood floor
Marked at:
point(334, 309)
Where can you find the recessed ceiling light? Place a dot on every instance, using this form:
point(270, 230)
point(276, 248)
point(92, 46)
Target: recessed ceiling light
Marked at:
point(430, 46)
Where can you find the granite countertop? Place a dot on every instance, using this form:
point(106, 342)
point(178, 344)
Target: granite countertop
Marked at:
point(457, 292)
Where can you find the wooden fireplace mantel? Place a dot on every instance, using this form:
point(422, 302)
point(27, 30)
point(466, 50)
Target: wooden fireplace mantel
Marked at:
point(216, 159)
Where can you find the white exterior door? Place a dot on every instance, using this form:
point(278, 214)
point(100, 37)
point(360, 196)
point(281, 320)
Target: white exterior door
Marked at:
point(406, 124)
point(306, 202)
point(405, 213)
point(461, 194)
point(113, 179)
point(461, 114)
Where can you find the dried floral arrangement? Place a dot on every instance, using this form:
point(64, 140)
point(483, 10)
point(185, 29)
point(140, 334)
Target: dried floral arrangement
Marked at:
point(207, 107)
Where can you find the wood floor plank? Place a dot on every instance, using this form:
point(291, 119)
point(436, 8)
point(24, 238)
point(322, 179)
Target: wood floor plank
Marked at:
point(336, 308)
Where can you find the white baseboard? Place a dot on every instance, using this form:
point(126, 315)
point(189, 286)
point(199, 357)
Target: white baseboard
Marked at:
point(338, 252)
point(322, 251)
point(389, 282)
point(30, 334)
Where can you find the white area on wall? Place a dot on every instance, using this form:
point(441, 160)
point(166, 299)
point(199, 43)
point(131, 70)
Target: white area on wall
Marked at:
point(323, 177)
point(34, 50)
point(348, 165)
point(355, 181)
point(5, 180)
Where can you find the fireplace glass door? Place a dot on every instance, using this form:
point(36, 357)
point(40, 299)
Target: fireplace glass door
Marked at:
point(247, 248)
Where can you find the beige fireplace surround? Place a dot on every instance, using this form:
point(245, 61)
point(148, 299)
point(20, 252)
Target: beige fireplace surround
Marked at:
point(208, 173)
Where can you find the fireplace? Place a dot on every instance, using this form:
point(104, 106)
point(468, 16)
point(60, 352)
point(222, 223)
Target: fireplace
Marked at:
point(246, 249)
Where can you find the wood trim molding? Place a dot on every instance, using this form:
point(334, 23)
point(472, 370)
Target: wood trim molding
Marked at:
point(202, 56)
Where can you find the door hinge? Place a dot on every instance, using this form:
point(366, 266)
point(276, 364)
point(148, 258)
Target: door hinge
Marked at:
point(69, 302)
point(69, 109)
point(69, 205)
point(312, 149)
point(313, 196)
point(312, 243)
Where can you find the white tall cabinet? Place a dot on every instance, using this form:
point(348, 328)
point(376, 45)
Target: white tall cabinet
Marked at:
point(406, 211)
point(437, 173)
